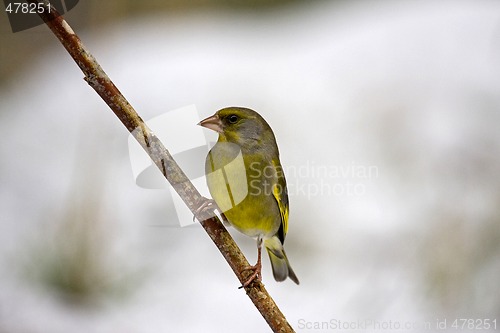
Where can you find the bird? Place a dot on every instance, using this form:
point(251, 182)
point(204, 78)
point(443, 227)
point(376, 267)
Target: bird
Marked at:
point(246, 181)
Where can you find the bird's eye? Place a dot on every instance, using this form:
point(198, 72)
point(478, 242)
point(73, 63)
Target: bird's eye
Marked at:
point(233, 119)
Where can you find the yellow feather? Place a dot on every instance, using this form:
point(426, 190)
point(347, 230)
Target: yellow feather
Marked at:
point(283, 208)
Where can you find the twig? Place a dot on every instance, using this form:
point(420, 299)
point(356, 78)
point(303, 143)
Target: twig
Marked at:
point(102, 84)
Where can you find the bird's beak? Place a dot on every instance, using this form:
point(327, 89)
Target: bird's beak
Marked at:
point(213, 122)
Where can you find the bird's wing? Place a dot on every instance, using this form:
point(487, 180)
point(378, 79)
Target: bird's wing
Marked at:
point(281, 195)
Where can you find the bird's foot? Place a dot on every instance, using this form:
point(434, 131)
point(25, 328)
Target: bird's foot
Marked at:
point(205, 204)
point(256, 275)
point(211, 205)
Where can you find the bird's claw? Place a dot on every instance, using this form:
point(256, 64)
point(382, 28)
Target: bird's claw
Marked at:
point(256, 275)
point(204, 205)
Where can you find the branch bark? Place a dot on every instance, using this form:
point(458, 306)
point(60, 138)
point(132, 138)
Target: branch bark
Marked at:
point(101, 83)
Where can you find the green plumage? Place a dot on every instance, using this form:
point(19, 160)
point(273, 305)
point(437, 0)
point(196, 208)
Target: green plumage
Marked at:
point(245, 179)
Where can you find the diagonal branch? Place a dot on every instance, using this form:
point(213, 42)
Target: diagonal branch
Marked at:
point(101, 83)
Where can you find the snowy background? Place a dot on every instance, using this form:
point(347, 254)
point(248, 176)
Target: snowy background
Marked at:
point(387, 115)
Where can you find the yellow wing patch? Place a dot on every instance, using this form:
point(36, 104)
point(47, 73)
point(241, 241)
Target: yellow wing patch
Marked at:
point(281, 196)
point(283, 208)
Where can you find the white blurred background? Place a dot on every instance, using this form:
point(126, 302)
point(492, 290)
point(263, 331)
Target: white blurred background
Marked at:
point(387, 115)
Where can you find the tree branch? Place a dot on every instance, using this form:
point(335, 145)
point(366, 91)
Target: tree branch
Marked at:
point(102, 84)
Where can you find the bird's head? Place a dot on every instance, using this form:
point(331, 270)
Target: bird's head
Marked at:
point(238, 125)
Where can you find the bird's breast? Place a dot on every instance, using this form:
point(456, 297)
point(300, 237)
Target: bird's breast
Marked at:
point(242, 186)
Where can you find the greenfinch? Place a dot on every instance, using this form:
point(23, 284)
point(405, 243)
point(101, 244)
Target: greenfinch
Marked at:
point(246, 180)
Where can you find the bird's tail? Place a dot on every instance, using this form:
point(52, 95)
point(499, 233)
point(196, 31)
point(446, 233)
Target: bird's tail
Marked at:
point(279, 261)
